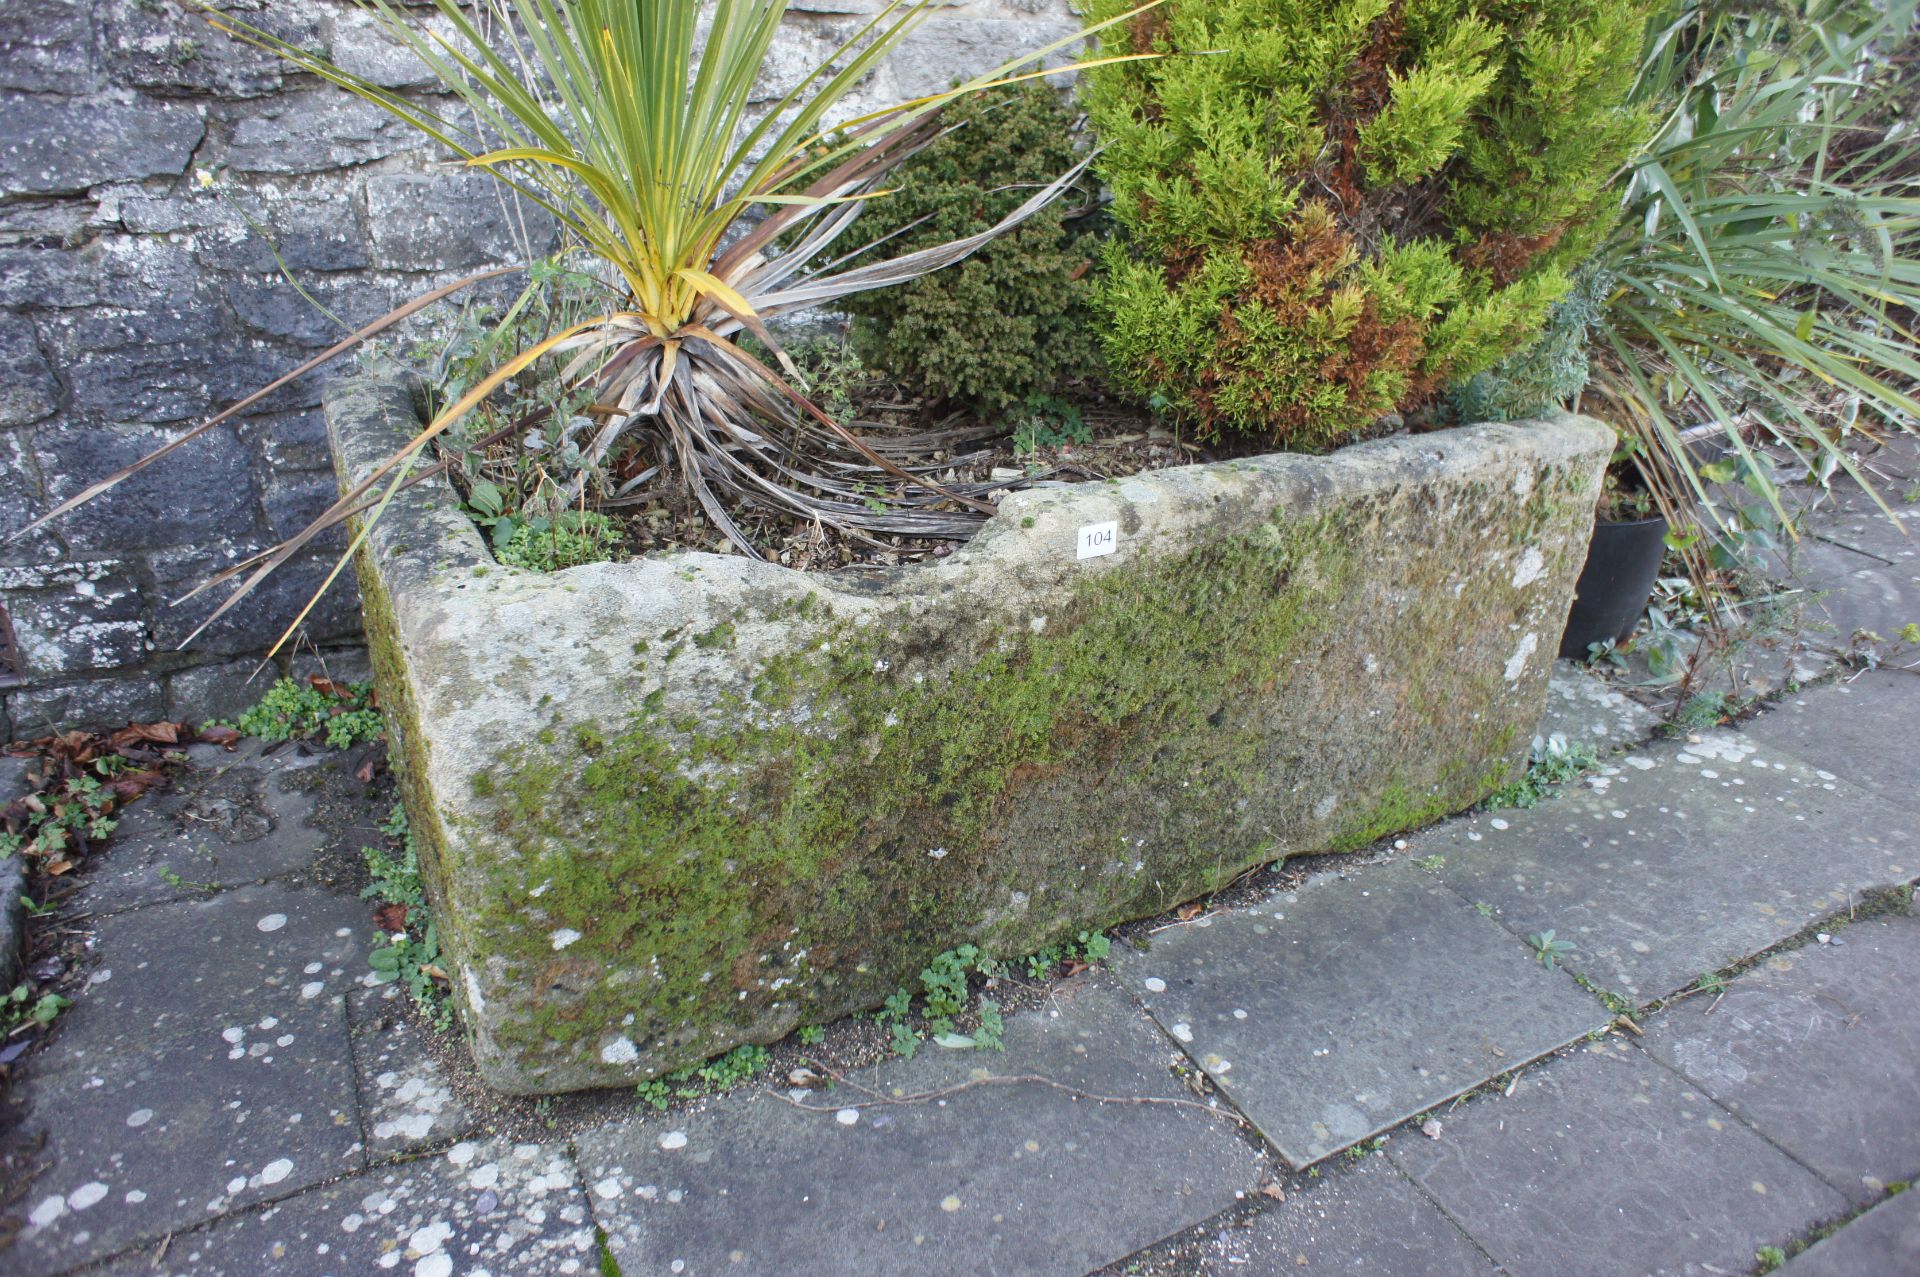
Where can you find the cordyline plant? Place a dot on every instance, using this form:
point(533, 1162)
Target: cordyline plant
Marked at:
point(628, 122)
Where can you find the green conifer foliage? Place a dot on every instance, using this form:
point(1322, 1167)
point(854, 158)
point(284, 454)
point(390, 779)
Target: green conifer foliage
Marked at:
point(1333, 209)
point(1010, 321)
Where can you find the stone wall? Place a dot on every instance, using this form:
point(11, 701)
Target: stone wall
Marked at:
point(161, 183)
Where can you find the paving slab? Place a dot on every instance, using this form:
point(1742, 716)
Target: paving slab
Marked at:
point(1014, 1178)
point(1368, 1219)
point(1857, 591)
point(1680, 859)
point(1584, 709)
point(1333, 1012)
point(492, 1208)
point(1819, 1049)
point(409, 1103)
point(1884, 1242)
point(205, 1067)
point(1604, 1163)
point(1866, 729)
point(224, 822)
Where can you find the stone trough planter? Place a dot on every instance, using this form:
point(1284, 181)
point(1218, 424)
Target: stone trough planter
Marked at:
point(673, 805)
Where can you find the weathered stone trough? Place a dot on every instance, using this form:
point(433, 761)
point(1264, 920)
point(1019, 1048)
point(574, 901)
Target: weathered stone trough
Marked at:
point(673, 805)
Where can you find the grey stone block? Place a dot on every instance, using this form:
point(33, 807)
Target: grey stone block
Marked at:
point(1000, 1178)
point(269, 305)
point(201, 492)
point(451, 221)
point(92, 704)
point(65, 145)
point(150, 366)
point(1323, 1021)
point(74, 617)
point(259, 619)
point(177, 52)
point(1819, 1049)
point(28, 391)
point(48, 46)
point(1679, 859)
point(945, 49)
point(313, 131)
point(216, 690)
point(1605, 1163)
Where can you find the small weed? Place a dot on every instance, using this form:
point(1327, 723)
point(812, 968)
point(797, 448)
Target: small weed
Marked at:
point(1558, 764)
point(812, 1035)
point(1047, 422)
point(1549, 950)
point(566, 540)
point(20, 1008)
point(1769, 1258)
point(722, 1073)
point(1711, 982)
point(412, 953)
point(1912, 495)
point(1432, 864)
point(341, 714)
point(1482, 908)
point(396, 880)
point(174, 880)
point(1701, 711)
point(55, 827)
point(1365, 1147)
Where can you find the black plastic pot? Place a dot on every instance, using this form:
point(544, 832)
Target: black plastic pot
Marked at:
point(1623, 560)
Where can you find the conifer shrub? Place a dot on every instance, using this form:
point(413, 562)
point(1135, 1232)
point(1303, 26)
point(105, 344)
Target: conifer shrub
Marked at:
point(1011, 321)
point(1331, 210)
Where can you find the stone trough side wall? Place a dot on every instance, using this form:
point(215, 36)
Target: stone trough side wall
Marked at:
point(694, 800)
point(151, 170)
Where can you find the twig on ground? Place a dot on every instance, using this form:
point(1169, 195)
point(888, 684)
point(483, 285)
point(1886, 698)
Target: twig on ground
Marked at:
point(1030, 1079)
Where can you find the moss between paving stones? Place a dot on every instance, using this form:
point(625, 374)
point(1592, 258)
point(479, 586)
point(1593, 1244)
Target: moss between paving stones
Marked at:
point(867, 785)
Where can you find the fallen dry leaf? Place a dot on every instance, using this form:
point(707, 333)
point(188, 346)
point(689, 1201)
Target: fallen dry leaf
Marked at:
point(391, 918)
point(1274, 1191)
point(224, 736)
point(1431, 1128)
point(1188, 912)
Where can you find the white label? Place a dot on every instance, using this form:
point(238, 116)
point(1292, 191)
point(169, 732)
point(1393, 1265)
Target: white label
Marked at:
point(1097, 539)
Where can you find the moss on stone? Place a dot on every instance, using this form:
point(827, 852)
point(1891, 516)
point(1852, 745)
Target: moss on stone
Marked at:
point(845, 822)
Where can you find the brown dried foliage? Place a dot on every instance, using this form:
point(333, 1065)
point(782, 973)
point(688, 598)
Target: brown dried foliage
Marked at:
point(1505, 256)
point(1294, 280)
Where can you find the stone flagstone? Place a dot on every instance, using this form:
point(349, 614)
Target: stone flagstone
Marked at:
point(1858, 591)
point(1332, 1013)
point(1881, 1243)
point(236, 821)
point(1864, 730)
point(1819, 1049)
point(1584, 709)
point(408, 1102)
point(1370, 1219)
point(1016, 1178)
point(494, 1208)
point(1679, 860)
point(205, 1068)
point(1606, 1163)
